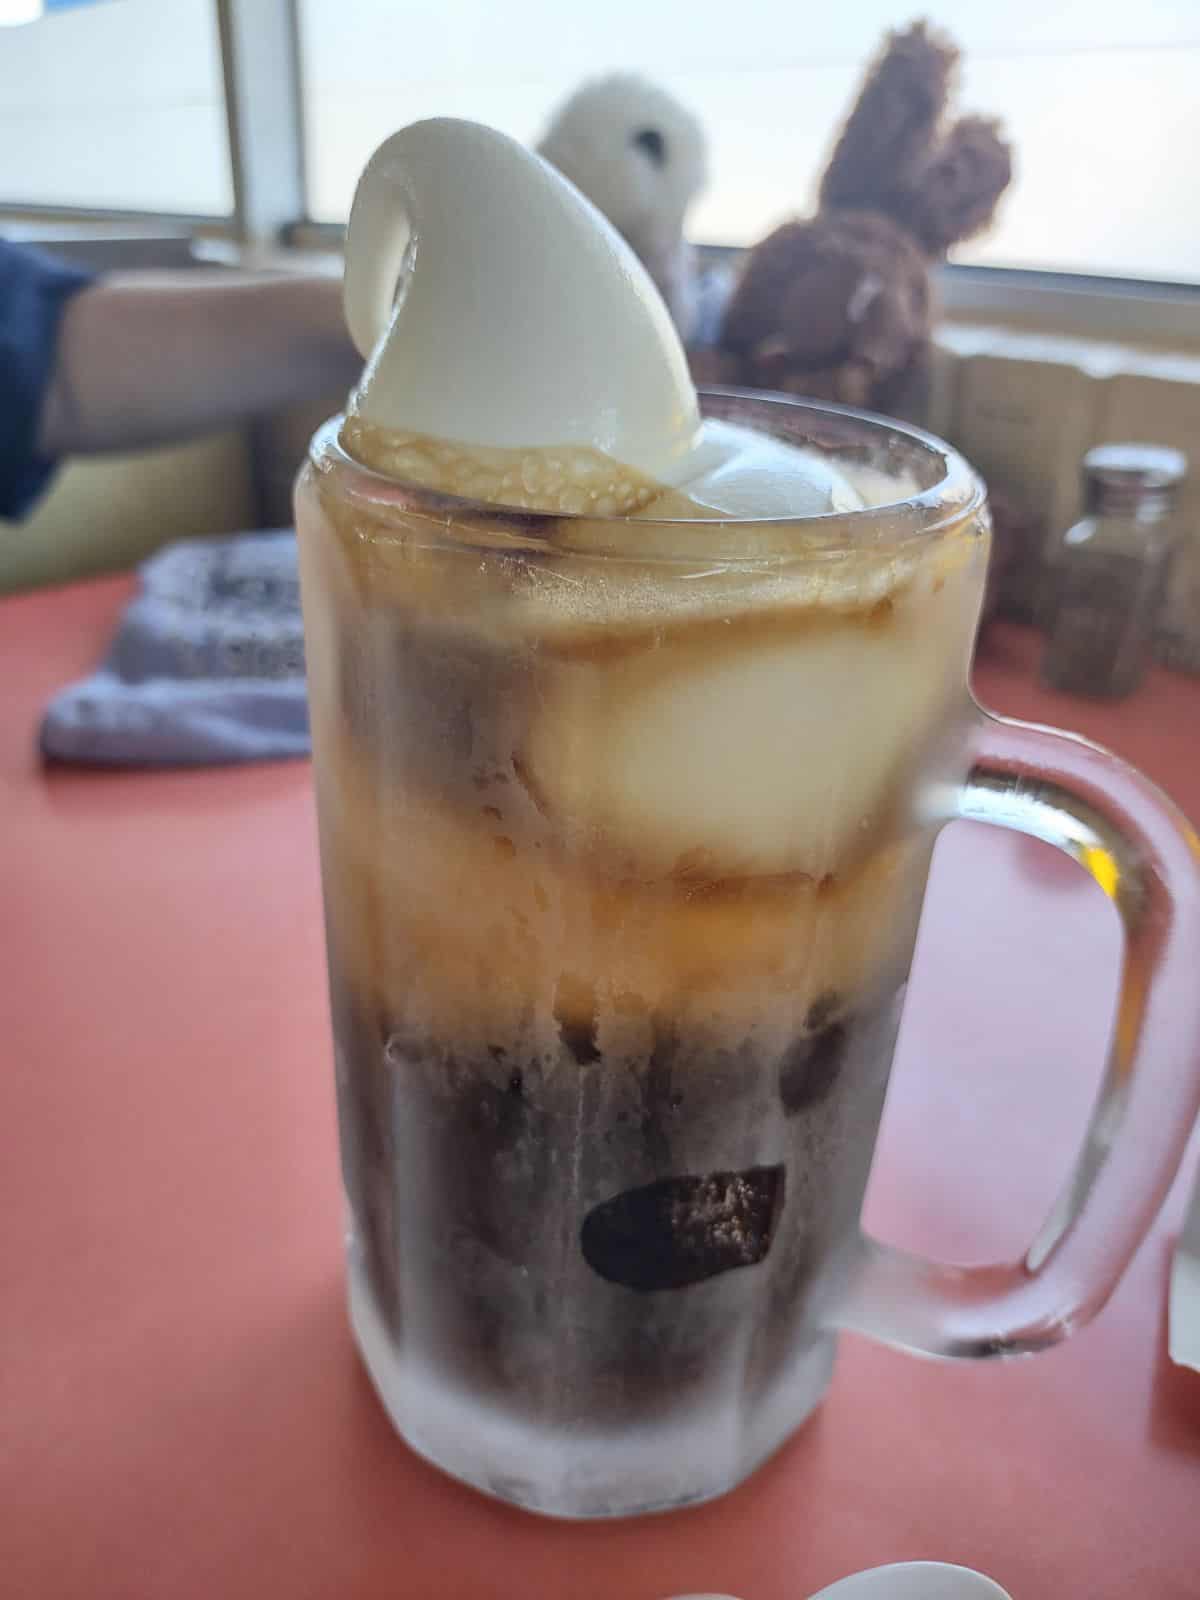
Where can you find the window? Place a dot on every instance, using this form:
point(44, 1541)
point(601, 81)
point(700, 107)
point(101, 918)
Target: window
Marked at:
point(1099, 97)
point(114, 106)
point(119, 105)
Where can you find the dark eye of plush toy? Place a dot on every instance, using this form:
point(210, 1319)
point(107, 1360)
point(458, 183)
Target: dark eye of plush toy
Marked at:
point(651, 141)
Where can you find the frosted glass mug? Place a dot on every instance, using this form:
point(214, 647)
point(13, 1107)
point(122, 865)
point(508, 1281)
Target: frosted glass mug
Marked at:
point(625, 827)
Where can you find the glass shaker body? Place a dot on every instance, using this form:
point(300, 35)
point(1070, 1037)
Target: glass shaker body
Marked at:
point(1106, 575)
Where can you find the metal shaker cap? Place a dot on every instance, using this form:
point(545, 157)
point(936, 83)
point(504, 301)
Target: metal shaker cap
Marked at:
point(1131, 478)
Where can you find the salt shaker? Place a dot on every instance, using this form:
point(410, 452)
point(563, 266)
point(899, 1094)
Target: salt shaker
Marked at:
point(1105, 576)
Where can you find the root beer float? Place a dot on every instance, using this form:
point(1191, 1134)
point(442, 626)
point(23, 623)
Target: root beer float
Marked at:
point(625, 709)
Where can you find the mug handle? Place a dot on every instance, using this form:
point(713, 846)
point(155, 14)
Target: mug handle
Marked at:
point(1146, 857)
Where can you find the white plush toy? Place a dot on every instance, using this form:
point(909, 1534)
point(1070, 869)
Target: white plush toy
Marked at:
point(641, 158)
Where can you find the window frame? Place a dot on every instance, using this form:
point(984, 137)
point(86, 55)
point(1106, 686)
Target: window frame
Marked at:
point(262, 73)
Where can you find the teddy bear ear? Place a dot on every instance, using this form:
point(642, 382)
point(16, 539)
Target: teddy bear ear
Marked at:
point(955, 193)
point(892, 127)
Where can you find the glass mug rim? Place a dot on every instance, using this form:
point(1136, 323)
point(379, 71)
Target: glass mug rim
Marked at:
point(953, 495)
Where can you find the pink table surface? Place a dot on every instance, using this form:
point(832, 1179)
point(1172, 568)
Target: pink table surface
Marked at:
point(181, 1411)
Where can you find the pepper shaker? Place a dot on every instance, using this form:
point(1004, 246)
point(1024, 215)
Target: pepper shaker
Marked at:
point(1106, 575)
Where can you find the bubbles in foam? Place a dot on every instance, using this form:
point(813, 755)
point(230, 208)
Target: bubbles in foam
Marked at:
point(727, 472)
point(568, 481)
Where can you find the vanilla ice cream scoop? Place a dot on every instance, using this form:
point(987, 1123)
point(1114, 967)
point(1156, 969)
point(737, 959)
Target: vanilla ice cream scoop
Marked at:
point(500, 312)
point(496, 306)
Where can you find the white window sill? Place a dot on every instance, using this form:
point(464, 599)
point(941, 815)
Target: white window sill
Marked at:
point(1159, 315)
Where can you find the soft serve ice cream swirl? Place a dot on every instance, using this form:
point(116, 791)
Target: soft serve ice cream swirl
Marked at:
point(519, 355)
point(518, 352)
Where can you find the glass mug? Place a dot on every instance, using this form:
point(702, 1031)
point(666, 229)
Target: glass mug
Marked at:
point(625, 827)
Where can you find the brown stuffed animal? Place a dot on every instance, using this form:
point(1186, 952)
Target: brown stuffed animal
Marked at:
point(839, 307)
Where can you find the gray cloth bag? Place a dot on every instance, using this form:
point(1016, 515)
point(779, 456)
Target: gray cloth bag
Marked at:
point(207, 665)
